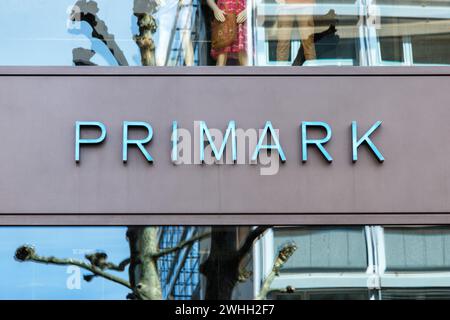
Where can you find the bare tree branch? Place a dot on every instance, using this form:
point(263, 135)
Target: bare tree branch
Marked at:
point(284, 254)
point(181, 245)
point(87, 11)
point(251, 238)
point(27, 253)
point(120, 267)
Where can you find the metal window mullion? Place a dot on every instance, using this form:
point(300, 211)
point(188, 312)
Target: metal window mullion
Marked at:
point(363, 47)
point(407, 51)
point(257, 270)
point(251, 30)
point(371, 23)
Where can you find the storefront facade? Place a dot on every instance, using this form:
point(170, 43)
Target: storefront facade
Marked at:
point(335, 131)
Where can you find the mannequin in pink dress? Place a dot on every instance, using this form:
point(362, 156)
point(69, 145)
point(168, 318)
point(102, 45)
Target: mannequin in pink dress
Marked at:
point(238, 49)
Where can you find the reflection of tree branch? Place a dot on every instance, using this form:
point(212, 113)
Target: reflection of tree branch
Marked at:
point(251, 237)
point(223, 267)
point(88, 13)
point(284, 254)
point(82, 57)
point(99, 259)
point(120, 267)
point(181, 245)
point(143, 10)
point(27, 253)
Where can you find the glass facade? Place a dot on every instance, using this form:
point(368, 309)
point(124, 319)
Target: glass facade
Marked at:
point(331, 263)
point(371, 262)
point(178, 271)
point(226, 32)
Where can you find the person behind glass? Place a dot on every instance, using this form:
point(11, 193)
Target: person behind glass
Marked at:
point(285, 27)
point(238, 49)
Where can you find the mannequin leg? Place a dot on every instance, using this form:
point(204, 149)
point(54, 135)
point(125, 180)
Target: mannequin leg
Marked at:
point(306, 30)
point(188, 48)
point(184, 20)
point(222, 60)
point(284, 30)
point(243, 59)
point(165, 20)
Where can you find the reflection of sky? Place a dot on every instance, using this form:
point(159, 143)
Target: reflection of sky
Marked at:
point(30, 280)
point(37, 32)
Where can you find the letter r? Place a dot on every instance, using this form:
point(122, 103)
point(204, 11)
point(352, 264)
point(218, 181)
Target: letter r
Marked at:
point(317, 142)
point(139, 143)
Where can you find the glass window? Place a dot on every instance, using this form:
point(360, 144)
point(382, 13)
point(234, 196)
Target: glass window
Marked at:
point(178, 271)
point(415, 293)
point(331, 262)
point(323, 294)
point(411, 32)
point(225, 32)
point(404, 262)
point(42, 281)
point(306, 32)
point(324, 248)
point(417, 249)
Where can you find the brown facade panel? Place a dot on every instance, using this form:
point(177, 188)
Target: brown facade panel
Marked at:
point(40, 178)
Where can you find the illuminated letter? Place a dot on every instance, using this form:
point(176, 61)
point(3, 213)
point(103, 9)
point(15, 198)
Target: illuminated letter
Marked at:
point(218, 154)
point(318, 142)
point(139, 143)
point(275, 146)
point(365, 138)
point(79, 141)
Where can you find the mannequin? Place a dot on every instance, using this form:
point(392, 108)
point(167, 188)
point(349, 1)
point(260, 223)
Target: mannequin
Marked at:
point(285, 26)
point(170, 15)
point(239, 48)
point(330, 36)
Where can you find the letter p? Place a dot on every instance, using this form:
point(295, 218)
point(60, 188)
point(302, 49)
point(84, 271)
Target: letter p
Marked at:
point(79, 141)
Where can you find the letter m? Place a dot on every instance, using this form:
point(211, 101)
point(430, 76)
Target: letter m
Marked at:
point(217, 153)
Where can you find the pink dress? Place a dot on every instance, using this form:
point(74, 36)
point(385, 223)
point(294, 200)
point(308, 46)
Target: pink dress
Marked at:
point(233, 6)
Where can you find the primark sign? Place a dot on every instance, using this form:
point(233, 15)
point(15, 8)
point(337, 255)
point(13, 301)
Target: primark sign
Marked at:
point(224, 146)
point(232, 143)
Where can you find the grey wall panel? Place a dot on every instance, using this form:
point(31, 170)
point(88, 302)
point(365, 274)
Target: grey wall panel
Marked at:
point(39, 106)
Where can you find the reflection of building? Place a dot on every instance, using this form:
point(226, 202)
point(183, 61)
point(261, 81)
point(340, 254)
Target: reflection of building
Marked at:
point(368, 32)
point(355, 262)
point(179, 271)
point(371, 262)
point(184, 29)
point(347, 32)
